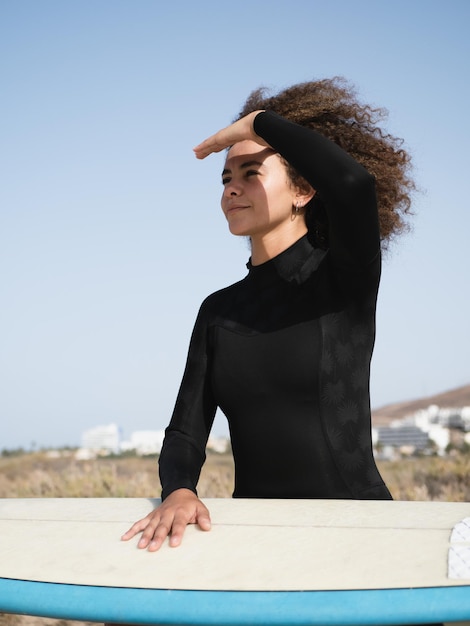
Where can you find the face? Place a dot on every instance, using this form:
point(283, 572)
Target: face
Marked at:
point(258, 196)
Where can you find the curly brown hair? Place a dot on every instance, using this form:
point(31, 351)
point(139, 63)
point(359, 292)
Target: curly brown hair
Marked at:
point(331, 107)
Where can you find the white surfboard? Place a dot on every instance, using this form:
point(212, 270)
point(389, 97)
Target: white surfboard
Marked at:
point(264, 562)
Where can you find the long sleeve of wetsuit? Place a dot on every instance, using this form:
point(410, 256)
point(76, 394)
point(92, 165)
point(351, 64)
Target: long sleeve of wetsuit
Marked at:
point(348, 193)
point(346, 188)
point(183, 452)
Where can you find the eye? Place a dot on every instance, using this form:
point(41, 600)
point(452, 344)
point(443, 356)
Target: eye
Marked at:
point(251, 173)
point(226, 179)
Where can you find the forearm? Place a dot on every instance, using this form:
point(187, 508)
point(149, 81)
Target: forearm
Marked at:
point(180, 464)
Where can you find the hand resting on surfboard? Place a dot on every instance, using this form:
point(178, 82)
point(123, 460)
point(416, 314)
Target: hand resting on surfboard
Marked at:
point(180, 508)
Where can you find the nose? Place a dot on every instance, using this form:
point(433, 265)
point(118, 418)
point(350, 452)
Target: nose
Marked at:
point(232, 189)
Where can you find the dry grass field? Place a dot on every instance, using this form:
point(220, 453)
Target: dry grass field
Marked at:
point(38, 475)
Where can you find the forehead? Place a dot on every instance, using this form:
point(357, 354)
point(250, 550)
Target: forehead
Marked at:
point(247, 150)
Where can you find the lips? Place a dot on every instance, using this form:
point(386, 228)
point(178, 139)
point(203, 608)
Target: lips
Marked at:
point(232, 208)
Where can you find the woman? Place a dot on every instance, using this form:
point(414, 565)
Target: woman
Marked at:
point(285, 352)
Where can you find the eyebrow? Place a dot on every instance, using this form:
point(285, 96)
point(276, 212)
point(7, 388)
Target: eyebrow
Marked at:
point(243, 166)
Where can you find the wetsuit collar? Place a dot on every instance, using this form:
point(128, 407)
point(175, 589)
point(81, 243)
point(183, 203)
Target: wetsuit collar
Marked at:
point(285, 265)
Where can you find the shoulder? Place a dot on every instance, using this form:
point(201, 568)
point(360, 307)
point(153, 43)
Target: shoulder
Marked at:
point(215, 302)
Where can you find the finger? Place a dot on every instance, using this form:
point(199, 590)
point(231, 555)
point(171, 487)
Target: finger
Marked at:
point(155, 541)
point(154, 535)
point(157, 531)
point(203, 518)
point(136, 528)
point(177, 532)
point(204, 522)
point(208, 146)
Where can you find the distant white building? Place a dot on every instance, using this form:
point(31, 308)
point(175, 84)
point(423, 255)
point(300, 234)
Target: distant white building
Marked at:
point(433, 423)
point(144, 442)
point(403, 437)
point(448, 417)
point(102, 439)
point(430, 422)
point(218, 444)
point(440, 436)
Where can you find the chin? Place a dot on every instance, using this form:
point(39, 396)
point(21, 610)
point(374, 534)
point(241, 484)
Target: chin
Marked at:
point(239, 231)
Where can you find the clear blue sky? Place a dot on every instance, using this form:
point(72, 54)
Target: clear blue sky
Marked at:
point(110, 230)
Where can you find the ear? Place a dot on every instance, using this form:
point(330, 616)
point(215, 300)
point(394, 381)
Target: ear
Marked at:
point(304, 195)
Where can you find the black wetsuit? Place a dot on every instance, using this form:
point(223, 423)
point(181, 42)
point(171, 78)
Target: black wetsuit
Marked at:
point(285, 352)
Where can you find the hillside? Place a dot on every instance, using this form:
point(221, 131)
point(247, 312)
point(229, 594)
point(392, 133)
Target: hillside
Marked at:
point(458, 398)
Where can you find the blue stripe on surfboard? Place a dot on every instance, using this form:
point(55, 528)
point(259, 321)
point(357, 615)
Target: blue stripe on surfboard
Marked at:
point(224, 608)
